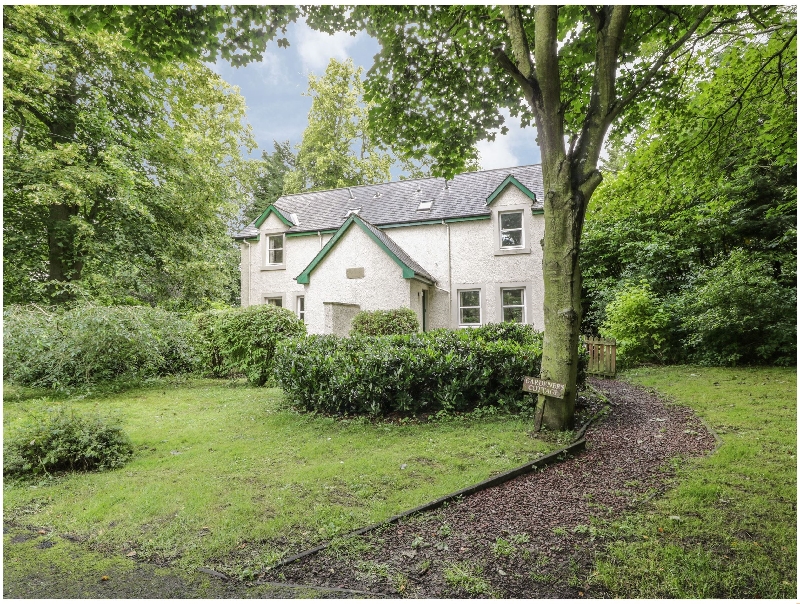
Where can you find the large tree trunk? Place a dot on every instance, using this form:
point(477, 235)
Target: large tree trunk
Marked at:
point(562, 295)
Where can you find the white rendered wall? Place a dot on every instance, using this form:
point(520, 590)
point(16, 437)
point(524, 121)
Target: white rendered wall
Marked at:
point(297, 251)
point(382, 287)
point(472, 261)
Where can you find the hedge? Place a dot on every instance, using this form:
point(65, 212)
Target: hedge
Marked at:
point(243, 340)
point(88, 344)
point(440, 370)
point(393, 322)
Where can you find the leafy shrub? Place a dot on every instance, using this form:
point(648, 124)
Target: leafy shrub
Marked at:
point(637, 320)
point(92, 344)
point(64, 441)
point(385, 322)
point(440, 370)
point(243, 340)
point(737, 312)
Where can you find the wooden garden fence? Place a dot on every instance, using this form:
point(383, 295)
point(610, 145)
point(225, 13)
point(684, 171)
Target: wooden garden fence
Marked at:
point(602, 356)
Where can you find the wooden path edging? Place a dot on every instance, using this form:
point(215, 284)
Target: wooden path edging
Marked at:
point(541, 462)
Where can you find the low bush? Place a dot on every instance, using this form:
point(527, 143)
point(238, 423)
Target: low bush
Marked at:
point(243, 340)
point(636, 318)
point(440, 370)
point(88, 345)
point(385, 322)
point(63, 441)
point(739, 313)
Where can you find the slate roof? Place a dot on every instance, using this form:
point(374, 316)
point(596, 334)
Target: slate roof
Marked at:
point(398, 202)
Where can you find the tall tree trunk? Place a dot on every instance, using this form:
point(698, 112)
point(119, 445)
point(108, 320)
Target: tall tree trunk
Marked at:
point(562, 294)
point(65, 260)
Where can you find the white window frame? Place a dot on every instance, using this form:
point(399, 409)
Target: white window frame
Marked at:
point(300, 307)
point(527, 287)
point(267, 266)
point(521, 229)
point(504, 306)
point(268, 297)
point(456, 304)
point(497, 212)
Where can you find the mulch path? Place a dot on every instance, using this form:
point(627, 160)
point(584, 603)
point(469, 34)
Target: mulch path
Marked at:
point(532, 537)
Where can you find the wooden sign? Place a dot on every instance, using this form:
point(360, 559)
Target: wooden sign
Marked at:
point(546, 387)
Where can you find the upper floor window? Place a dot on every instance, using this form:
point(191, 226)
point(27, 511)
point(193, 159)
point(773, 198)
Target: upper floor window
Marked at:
point(275, 249)
point(511, 230)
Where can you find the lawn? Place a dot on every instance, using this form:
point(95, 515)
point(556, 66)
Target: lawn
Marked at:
point(227, 476)
point(728, 528)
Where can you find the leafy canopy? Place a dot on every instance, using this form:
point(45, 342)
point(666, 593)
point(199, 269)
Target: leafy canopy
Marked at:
point(119, 182)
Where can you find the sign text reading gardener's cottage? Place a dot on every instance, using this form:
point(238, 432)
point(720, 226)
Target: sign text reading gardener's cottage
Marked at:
point(546, 387)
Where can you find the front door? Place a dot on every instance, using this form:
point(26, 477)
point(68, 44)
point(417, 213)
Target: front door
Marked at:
point(424, 310)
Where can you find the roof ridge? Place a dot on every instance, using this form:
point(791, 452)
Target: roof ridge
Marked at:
point(391, 182)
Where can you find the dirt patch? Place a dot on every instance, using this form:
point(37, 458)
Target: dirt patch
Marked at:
point(534, 536)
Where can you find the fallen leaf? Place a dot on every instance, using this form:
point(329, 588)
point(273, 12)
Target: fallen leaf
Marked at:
point(660, 530)
point(104, 578)
point(131, 554)
point(42, 532)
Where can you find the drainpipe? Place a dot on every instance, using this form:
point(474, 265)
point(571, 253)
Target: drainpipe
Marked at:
point(449, 272)
point(249, 269)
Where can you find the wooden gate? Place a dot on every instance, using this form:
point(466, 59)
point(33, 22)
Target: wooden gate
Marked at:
point(602, 356)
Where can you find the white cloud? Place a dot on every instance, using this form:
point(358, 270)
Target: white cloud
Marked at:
point(497, 154)
point(272, 69)
point(316, 48)
point(516, 148)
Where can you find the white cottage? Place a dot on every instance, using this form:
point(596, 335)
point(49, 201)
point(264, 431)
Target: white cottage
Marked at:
point(459, 253)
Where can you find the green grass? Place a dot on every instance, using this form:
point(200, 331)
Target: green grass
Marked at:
point(228, 477)
point(728, 528)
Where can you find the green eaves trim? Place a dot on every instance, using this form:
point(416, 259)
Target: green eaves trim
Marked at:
point(510, 180)
point(310, 233)
point(397, 225)
point(271, 209)
point(305, 276)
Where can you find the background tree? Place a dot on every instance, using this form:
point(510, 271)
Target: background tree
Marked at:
point(338, 148)
point(268, 181)
point(118, 182)
point(702, 207)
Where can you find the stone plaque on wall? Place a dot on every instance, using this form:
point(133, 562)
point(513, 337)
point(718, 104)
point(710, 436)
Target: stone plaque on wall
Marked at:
point(355, 273)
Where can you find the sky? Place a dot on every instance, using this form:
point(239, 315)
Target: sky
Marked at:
point(277, 110)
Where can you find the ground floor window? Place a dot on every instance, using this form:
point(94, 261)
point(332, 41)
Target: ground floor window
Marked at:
point(275, 301)
point(513, 301)
point(301, 308)
point(469, 307)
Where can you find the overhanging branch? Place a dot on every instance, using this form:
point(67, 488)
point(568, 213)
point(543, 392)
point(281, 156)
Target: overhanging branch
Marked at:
point(654, 69)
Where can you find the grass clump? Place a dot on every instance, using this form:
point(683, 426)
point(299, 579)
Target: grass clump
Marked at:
point(65, 441)
point(727, 528)
point(468, 577)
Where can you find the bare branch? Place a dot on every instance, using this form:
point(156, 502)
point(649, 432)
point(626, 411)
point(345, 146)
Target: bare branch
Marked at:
point(529, 88)
point(519, 41)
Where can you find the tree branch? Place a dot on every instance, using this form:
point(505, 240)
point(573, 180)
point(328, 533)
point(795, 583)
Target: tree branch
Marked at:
point(654, 69)
point(519, 41)
point(529, 88)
